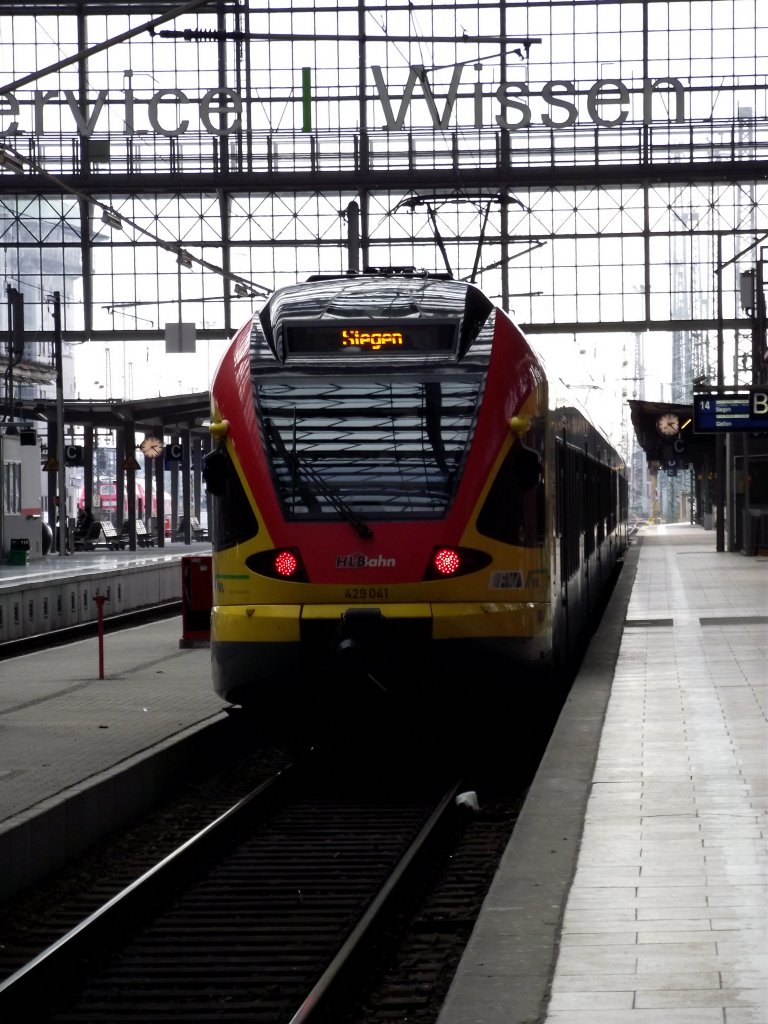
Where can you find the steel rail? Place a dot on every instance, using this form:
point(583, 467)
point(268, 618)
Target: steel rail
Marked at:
point(57, 972)
point(342, 962)
point(28, 991)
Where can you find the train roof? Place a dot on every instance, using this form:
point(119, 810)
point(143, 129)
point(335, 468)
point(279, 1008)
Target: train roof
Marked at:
point(365, 298)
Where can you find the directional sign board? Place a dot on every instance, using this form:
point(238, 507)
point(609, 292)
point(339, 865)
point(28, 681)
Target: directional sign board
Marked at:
point(747, 411)
point(758, 405)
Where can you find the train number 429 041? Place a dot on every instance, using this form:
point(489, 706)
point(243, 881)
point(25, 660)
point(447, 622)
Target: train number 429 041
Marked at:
point(366, 594)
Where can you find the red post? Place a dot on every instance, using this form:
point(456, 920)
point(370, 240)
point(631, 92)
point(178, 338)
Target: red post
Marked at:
point(100, 599)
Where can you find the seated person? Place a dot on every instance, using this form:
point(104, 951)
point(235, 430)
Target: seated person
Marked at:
point(84, 520)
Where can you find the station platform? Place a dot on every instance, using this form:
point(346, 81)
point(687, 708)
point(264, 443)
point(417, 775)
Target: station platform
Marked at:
point(81, 755)
point(635, 887)
point(57, 592)
point(55, 566)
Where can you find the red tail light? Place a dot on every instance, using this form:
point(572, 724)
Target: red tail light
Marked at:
point(286, 564)
point(279, 564)
point(445, 562)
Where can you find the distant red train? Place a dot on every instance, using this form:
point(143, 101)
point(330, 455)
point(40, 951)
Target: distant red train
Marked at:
point(105, 501)
point(395, 484)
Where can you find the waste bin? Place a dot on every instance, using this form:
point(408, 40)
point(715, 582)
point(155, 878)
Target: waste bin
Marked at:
point(196, 600)
point(19, 551)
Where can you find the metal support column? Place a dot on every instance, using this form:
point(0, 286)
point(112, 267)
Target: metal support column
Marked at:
point(160, 494)
point(88, 465)
point(186, 502)
point(62, 489)
point(720, 440)
point(130, 482)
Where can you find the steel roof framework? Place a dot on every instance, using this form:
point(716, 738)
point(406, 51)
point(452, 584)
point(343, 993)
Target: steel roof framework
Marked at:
point(579, 228)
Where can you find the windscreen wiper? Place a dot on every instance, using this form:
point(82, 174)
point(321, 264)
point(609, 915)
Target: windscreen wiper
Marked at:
point(302, 473)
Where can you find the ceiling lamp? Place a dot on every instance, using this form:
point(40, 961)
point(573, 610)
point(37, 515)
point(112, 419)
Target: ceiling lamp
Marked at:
point(112, 219)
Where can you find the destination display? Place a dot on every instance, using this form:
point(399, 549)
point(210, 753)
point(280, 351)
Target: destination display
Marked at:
point(746, 411)
point(398, 338)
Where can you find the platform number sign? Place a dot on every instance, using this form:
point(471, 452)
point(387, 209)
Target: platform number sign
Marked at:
point(758, 405)
point(73, 455)
point(174, 452)
point(737, 411)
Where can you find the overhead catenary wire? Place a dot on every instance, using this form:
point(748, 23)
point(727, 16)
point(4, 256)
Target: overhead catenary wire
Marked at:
point(83, 55)
point(182, 255)
point(482, 203)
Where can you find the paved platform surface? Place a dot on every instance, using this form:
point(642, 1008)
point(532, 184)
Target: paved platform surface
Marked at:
point(84, 563)
point(78, 752)
point(663, 919)
point(60, 723)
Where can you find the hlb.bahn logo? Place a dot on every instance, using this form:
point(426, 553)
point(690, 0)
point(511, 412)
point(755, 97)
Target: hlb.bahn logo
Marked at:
point(358, 560)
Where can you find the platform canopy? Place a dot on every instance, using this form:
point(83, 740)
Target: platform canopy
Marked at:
point(172, 412)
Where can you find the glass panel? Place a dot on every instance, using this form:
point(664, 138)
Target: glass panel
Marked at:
point(379, 448)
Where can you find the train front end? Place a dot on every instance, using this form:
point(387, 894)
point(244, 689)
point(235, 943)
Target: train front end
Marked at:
point(379, 493)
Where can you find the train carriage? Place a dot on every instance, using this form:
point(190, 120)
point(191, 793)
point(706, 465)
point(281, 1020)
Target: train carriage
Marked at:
point(395, 490)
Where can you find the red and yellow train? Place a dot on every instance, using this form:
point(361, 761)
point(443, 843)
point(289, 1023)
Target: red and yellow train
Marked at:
point(397, 488)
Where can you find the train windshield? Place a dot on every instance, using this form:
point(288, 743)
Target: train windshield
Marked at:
point(367, 449)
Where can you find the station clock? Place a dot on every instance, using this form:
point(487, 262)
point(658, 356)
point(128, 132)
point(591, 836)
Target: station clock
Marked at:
point(668, 424)
point(152, 447)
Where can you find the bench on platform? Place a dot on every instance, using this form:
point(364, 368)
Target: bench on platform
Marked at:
point(196, 530)
point(109, 537)
point(99, 535)
point(144, 538)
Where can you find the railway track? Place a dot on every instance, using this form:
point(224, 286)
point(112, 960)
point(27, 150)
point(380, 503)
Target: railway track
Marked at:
point(258, 918)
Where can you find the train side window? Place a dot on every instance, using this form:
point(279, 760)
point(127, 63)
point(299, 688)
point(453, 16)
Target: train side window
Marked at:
point(589, 498)
point(215, 471)
point(604, 509)
point(233, 518)
point(513, 511)
point(571, 509)
point(623, 499)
